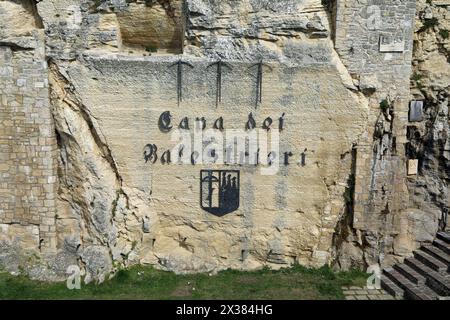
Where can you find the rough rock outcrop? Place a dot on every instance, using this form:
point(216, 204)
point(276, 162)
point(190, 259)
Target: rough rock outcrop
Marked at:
point(428, 140)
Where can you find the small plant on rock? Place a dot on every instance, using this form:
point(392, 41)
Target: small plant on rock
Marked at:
point(151, 49)
point(444, 34)
point(416, 76)
point(384, 105)
point(429, 23)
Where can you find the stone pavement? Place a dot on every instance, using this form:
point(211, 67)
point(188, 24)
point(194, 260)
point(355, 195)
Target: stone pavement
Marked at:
point(358, 293)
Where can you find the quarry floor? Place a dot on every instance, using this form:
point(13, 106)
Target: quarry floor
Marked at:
point(145, 283)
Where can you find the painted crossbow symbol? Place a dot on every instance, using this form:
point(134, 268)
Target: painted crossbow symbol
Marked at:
point(179, 65)
point(220, 65)
point(259, 80)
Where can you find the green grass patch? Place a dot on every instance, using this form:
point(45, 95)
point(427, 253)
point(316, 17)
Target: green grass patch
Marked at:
point(146, 283)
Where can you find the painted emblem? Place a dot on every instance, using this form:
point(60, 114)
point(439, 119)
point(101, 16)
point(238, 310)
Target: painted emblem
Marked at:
point(219, 191)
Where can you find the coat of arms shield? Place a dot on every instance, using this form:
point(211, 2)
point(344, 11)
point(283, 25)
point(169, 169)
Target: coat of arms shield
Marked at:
point(219, 191)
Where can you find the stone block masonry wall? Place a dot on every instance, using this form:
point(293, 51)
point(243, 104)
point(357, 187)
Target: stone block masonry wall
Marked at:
point(27, 143)
point(374, 41)
point(376, 47)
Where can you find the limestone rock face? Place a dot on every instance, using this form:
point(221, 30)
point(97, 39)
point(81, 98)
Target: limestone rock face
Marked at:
point(429, 139)
point(158, 27)
point(246, 30)
point(150, 212)
point(102, 189)
point(17, 18)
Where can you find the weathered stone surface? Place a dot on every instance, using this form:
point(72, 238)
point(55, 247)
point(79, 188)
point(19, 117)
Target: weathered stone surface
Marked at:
point(27, 142)
point(345, 199)
point(15, 240)
point(177, 224)
point(17, 18)
point(380, 198)
point(157, 27)
point(98, 263)
point(430, 143)
point(246, 30)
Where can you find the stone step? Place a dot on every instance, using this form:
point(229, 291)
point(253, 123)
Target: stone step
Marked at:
point(444, 246)
point(437, 253)
point(391, 288)
point(411, 274)
point(412, 291)
point(444, 237)
point(436, 281)
point(430, 261)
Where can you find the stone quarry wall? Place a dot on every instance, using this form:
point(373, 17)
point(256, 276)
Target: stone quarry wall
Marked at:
point(283, 218)
point(339, 71)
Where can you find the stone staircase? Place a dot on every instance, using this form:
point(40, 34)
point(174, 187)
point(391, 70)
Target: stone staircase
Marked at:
point(426, 276)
